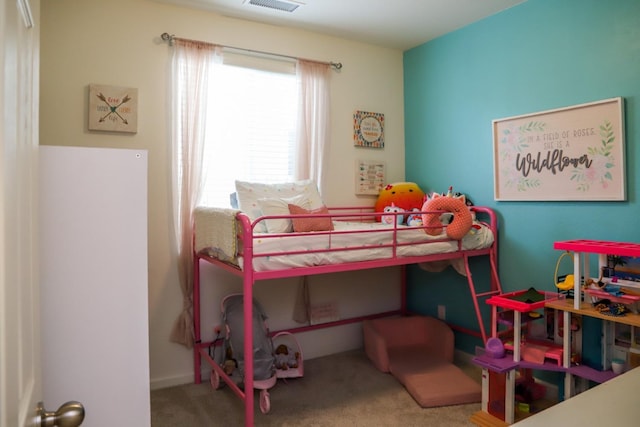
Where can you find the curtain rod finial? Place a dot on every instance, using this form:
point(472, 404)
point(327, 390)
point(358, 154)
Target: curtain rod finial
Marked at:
point(167, 37)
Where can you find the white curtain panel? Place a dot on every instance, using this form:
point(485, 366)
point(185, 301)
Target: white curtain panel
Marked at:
point(313, 124)
point(192, 64)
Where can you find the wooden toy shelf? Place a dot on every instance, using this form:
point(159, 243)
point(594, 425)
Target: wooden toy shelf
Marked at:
point(587, 309)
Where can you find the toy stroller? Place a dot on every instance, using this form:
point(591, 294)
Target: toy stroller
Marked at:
point(264, 371)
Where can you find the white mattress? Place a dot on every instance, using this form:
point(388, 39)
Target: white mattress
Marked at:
point(478, 238)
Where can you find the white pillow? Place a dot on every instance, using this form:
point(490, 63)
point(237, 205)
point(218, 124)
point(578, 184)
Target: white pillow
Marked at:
point(250, 192)
point(281, 207)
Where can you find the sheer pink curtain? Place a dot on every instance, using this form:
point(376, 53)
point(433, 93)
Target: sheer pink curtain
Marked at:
point(313, 123)
point(192, 64)
point(312, 145)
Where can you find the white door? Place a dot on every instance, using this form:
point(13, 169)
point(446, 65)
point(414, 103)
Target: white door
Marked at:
point(20, 388)
point(21, 350)
point(94, 285)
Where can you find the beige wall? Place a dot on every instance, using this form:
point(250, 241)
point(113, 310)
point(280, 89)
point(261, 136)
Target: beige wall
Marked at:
point(117, 42)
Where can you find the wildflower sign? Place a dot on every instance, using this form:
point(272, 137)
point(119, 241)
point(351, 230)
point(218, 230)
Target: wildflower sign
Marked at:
point(572, 153)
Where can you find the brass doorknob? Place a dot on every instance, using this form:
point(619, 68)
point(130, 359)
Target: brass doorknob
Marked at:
point(70, 414)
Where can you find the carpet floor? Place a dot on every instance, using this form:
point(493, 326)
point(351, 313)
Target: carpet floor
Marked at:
point(343, 389)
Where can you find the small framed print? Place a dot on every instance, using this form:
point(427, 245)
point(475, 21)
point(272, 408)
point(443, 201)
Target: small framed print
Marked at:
point(370, 177)
point(113, 108)
point(368, 129)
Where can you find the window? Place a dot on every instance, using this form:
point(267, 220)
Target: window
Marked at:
point(251, 125)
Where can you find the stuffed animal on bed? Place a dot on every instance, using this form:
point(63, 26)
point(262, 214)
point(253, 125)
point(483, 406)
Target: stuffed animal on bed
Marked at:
point(414, 219)
point(467, 201)
point(406, 195)
point(390, 219)
point(460, 223)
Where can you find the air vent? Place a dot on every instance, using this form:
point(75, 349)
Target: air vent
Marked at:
point(285, 6)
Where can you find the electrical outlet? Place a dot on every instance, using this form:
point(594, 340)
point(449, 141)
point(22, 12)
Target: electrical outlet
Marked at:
point(442, 312)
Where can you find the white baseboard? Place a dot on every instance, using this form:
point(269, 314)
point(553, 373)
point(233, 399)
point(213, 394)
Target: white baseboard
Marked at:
point(157, 384)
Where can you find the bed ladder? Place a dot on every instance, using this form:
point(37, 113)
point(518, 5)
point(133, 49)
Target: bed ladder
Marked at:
point(496, 289)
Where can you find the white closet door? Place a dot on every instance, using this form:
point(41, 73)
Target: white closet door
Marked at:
point(93, 271)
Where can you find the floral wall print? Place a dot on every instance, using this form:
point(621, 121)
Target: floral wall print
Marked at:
point(572, 153)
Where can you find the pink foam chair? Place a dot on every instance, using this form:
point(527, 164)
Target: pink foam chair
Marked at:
point(418, 351)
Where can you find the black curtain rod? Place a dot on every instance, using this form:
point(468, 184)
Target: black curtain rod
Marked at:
point(335, 65)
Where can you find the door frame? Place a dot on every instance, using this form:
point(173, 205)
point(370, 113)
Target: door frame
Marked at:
point(20, 369)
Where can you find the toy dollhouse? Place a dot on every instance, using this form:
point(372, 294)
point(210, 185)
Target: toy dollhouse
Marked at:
point(508, 386)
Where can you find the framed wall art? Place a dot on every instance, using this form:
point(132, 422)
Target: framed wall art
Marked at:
point(571, 153)
point(368, 129)
point(113, 108)
point(370, 177)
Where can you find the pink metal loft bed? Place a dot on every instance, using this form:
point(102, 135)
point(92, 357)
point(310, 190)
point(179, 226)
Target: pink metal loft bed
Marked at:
point(357, 242)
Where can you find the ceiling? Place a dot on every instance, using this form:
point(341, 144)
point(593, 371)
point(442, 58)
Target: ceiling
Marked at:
point(398, 24)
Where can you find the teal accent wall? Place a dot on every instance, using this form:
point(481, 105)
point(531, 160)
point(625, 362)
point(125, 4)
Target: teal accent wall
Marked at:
point(539, 55)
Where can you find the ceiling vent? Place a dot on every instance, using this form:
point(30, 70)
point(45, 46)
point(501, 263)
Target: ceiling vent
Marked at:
point(283, 5)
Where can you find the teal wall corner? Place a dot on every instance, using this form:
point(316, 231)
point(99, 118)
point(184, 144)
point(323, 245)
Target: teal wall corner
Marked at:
point(537, 56)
